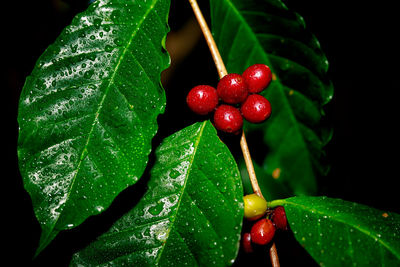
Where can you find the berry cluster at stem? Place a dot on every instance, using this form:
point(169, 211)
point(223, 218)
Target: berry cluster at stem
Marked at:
point(236, 97)
point(264, 222)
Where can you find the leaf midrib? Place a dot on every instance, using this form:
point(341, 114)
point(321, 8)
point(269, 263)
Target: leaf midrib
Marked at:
point(369, 233)
point(196, 145)
point(84, 150)
point(182, 192)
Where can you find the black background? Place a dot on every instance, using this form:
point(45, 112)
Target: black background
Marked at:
point(361, 44)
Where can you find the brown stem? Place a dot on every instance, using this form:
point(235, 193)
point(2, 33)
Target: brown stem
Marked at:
point(243, 143)
point(273, 255)
point(209, 39)
point(249, 166)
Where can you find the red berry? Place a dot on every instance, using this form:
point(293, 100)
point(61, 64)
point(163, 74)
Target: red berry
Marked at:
point(257, 77)
point(256, 108)
point(202, 99)
point(246, 243)
point(228, 119)
point(262, 232)
point(278, 217)
point(232, 89)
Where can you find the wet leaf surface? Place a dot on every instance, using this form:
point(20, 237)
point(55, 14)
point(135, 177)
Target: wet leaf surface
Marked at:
point(191, 214)
point(88, 111)
point(341, 233)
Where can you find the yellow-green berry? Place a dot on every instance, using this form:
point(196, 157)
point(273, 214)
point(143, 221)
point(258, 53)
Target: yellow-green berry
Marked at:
point(254, 206)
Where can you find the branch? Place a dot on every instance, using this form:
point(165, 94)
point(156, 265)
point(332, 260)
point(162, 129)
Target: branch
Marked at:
point(243, 143)
point(249, 166)
point(209, 39)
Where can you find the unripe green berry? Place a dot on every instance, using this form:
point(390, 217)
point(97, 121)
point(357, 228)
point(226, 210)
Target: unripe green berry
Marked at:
point(254, 206)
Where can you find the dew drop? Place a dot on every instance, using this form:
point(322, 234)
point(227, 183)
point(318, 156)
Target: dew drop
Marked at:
point(74, 48)
point(117, 41)
point(108, 48)
point(115, 14)
point(97, 23)
point(106, 28)
point(99, 208)
point(88, 74)
point(174, 174)
point(156, 210)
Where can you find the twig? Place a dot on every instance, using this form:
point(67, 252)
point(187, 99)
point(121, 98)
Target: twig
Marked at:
point(209, 39)
point(243, 143)
point(273, 255)
point(249, 166)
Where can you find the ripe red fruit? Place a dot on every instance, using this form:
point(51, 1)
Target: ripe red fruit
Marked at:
point(257, 77)
point(262, 232)
point(228, 119)
point(278, 217)
point(246, 243)
point(256, 108)
point(202, 99)
point(232, 89)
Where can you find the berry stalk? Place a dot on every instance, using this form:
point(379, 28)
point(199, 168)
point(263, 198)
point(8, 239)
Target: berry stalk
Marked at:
point(243, 143)
point(249, 165)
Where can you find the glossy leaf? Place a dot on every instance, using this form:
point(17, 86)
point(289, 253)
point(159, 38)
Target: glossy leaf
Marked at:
point(191, 214)
point(254, 31)
point(342, 233)
point(88, 111)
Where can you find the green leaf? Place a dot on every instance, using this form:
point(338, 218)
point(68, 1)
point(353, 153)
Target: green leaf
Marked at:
point(88, 111)
point(191, 214)
point(341, 233)
point(254, 31)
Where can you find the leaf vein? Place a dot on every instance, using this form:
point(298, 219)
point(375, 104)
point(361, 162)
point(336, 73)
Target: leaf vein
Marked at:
point(368, 233)
point(100, 108)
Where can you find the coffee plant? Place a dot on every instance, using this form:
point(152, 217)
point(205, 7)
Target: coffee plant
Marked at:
point(89, 132)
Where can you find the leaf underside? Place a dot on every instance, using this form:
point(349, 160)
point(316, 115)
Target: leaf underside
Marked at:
point(191, 214)
point(88, 111)
point(254, 31)
point(341, 233)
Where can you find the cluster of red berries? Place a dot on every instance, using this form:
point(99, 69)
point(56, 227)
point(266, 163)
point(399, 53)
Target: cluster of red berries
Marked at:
point(234, 90)
point(263, 230)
